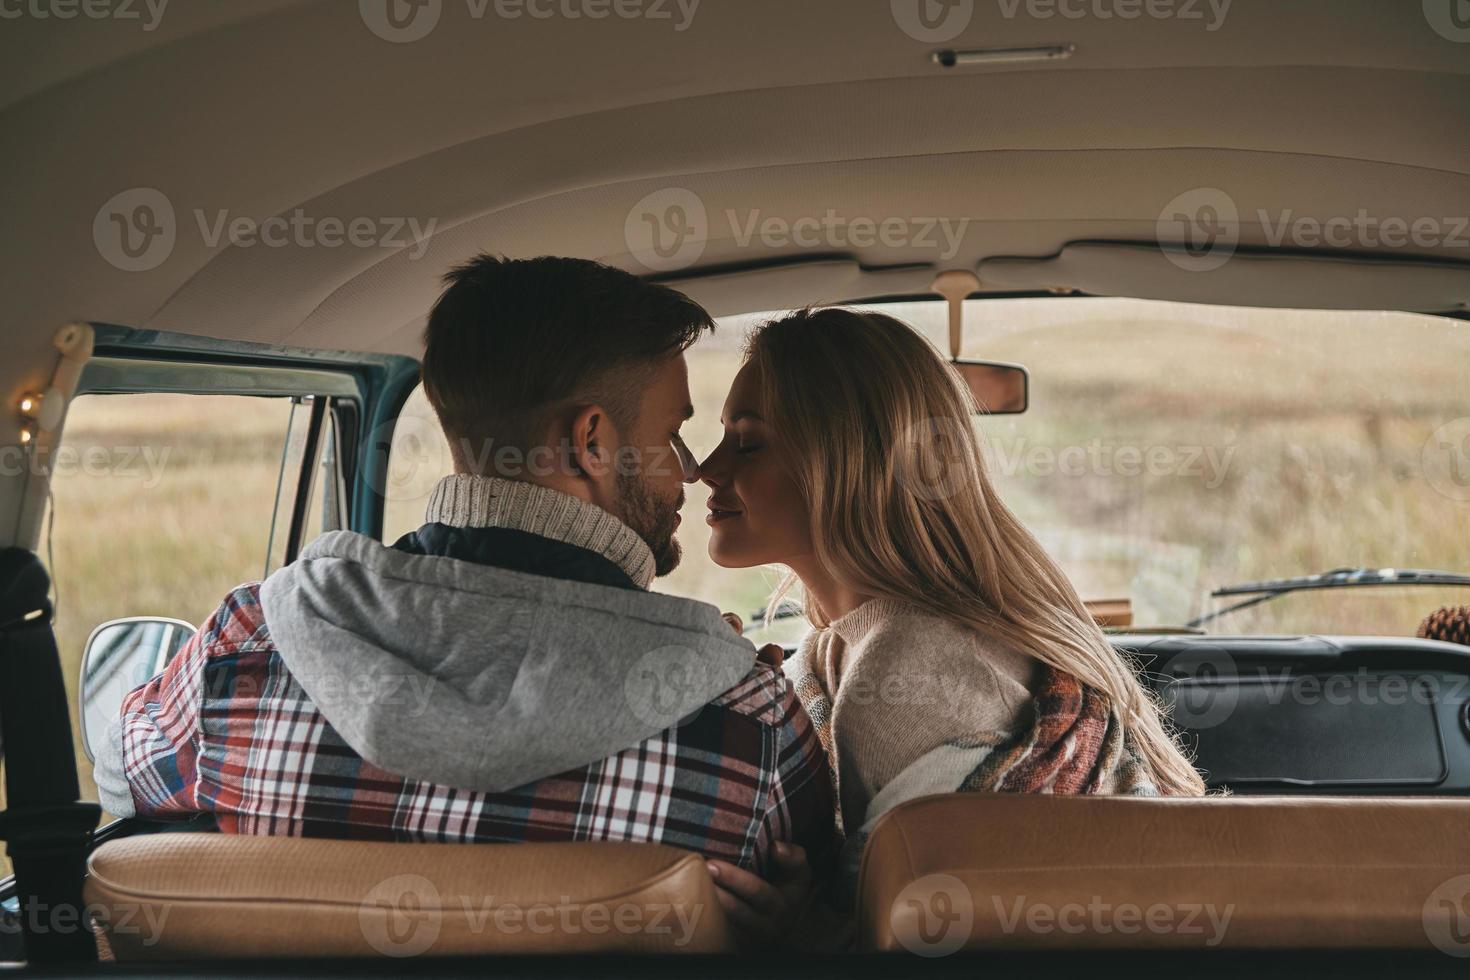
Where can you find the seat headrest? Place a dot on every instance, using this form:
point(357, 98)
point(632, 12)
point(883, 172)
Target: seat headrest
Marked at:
point(214, 896)
point(971, 871)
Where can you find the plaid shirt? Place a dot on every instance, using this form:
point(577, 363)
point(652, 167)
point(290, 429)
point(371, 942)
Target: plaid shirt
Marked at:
point(227, 730)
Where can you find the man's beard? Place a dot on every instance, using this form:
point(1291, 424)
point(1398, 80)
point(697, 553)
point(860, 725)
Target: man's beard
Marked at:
point(651, 519)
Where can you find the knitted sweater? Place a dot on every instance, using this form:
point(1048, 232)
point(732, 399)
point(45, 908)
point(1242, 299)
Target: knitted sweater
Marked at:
point(902, 682)
point(908, 704)
point(463, 500)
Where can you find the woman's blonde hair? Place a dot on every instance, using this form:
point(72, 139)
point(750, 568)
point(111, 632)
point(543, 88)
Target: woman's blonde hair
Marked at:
point(879, 431)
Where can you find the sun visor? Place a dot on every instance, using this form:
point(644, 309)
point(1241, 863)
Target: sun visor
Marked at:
point(796, 284)
point(1239, 278)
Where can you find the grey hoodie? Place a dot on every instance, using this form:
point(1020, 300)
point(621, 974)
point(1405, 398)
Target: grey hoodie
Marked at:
point(482, 678)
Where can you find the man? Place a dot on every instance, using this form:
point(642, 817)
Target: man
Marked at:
point(502, 673)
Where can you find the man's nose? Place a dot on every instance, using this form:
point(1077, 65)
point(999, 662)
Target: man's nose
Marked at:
point(688, 464)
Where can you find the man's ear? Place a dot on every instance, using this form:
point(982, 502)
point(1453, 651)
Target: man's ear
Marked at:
point(590, 452)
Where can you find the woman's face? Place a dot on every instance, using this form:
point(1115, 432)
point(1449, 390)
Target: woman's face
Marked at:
point(756, 514)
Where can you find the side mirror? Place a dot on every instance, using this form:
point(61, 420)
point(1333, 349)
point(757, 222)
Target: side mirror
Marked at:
point(1001, 389)
point(119, 656)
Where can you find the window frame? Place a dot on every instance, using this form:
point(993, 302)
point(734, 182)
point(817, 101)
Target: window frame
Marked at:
point(362, 394)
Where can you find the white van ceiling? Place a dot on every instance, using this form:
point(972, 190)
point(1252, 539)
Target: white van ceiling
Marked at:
point(527, 135)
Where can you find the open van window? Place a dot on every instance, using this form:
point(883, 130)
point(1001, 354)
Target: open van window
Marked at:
point(160, 504)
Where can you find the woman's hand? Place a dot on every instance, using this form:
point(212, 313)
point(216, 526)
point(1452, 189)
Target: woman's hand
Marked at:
point(772, 654)
point(764, 912)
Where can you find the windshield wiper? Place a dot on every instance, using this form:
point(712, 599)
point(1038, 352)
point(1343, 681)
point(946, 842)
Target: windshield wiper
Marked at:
point(1338, 578)
point(786, 610)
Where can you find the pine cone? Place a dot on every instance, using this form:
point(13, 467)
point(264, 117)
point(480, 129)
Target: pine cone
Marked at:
point(1452, 624)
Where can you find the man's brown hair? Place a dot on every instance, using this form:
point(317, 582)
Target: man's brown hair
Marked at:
point(511, 339)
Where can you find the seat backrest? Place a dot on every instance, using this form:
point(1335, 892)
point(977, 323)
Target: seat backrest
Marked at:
point(203, 896)
point(971, 871)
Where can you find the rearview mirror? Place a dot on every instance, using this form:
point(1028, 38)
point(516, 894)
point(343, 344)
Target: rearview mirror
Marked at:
point(1001, 389)
point(119, 656)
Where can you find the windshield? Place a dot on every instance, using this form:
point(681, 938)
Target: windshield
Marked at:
point(1172, 449)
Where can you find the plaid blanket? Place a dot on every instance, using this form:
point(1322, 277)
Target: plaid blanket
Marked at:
point(1075, 744)
point(227, 730)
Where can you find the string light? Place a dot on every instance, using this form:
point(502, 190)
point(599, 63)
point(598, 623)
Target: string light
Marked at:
point(39, 412)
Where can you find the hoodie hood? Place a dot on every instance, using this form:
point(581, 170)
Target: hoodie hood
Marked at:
point(484, 678)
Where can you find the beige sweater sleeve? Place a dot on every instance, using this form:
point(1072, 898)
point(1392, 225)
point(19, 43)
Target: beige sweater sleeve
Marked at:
point(912, 683)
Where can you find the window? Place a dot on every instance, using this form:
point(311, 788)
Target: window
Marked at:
point(327, 498)
point(419, 459)
point(160, 504)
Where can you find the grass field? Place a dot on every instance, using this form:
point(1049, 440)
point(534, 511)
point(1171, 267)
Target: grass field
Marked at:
point(163, 504)
point(1286, 443)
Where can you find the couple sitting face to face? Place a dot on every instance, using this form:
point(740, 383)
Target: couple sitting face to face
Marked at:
point(504, 674)
point(849, 456)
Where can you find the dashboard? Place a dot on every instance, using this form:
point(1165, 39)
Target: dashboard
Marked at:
point(1316, 714)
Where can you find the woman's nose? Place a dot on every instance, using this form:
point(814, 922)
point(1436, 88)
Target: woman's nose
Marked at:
point(710, 471)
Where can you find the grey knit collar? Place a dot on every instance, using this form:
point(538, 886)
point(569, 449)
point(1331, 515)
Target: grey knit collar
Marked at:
point(465, 500)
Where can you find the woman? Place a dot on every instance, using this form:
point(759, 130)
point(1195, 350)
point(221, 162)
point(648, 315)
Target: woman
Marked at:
point(949, 653)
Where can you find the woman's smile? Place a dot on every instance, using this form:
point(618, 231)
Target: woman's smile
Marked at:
point(718, 514)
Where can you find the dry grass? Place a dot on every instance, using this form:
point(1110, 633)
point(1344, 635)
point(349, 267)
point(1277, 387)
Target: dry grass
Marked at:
point(1325, 418)
point(167, 534)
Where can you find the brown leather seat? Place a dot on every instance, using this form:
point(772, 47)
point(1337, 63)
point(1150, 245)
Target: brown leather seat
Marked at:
point(991, 871)
point(172, 896)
